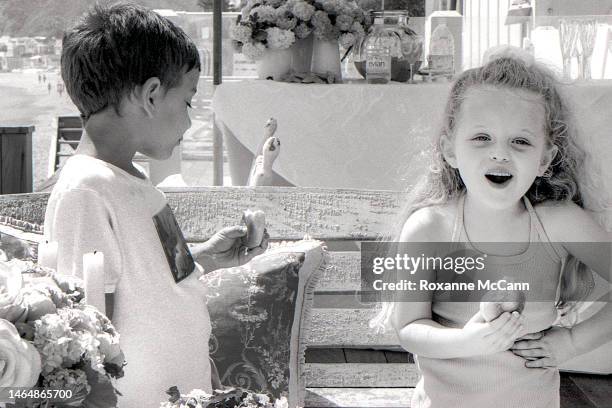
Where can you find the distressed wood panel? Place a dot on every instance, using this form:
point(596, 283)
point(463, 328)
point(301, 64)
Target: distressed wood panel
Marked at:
point(361, 375)
point(27, 208)
point(291, 212)
point(358, 397)
point(343, 273)
point(347, 328)
point(342, 300)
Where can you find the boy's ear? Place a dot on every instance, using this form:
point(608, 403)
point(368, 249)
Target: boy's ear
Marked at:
point(148, 95)
point(548, 156)
point(448, 150)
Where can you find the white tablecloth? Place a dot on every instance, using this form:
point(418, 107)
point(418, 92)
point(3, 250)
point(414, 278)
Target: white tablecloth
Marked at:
point(371, 136)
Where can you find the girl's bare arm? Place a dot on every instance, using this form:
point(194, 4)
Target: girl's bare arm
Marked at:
point(412, 317)
point(586, 240)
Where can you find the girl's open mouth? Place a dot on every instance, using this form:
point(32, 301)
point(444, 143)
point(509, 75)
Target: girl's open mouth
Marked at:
point(499, 178)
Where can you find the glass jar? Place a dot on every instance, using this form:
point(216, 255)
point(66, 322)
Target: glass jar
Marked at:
point(406, 59)
point(380, 45)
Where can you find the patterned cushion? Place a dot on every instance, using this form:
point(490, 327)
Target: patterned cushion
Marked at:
point(256, 312)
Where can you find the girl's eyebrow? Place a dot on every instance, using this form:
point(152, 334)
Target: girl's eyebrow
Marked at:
point(525, 130)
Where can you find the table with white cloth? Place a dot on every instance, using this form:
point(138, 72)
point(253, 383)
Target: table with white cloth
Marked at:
point(350, 135)
point(369, 136)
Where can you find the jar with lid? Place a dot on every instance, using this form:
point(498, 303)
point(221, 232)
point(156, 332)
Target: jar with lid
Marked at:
point(407, 54)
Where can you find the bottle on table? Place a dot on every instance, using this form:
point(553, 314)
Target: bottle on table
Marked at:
point(378, 47)
point(441, 59)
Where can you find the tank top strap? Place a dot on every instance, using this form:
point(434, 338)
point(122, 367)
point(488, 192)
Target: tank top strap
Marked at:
point(558, 251)
point(458, 227)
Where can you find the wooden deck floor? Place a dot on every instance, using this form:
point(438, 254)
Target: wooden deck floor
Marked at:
point(577, 390)
point(586, 391)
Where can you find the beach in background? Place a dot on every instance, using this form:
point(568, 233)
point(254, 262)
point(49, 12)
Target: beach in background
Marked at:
point(25, 101)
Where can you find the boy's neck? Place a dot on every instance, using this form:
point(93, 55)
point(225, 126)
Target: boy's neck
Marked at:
point(109, 141)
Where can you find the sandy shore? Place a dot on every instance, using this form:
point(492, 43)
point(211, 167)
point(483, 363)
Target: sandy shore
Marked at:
point(24, 101)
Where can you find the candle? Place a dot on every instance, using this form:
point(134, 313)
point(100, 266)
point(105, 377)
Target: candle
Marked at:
point(47, 254)
point(93, 279)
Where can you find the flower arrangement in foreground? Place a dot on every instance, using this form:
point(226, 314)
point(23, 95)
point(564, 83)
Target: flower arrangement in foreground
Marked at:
point(276, 24)
point(51, 341)
point(228, 398)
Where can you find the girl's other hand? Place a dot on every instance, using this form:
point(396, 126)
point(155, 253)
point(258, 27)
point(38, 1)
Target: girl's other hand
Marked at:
point(548, 348)
point(484, 337)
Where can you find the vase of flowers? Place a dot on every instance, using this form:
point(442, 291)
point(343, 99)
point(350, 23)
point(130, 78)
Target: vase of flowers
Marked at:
point(335, 22)
point(274, 64)
point(326, 58)
point(263, 33)
point(265, 25)
point(301, 54)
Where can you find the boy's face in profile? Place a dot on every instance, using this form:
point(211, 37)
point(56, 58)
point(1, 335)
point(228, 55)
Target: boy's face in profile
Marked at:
point(171, 119)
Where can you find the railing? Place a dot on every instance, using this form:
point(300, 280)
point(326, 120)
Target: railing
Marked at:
point(484, 27)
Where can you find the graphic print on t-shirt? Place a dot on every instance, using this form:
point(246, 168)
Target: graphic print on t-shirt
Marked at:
point(177, 253)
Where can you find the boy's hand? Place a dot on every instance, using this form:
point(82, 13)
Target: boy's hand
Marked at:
point(548, 348)
point(227, 247)
point(492, 337)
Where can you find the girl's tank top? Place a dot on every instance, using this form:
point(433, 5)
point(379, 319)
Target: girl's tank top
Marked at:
point(498, 380)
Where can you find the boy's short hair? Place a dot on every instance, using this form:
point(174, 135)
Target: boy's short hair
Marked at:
point(116, 48)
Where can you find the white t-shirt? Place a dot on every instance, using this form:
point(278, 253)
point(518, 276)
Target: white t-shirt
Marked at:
point(164, 325)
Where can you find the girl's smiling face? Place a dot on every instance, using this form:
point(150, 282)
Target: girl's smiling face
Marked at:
point(499, 144)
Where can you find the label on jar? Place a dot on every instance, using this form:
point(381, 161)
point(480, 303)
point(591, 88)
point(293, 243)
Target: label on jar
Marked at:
point(378, 64)
point(441, 62)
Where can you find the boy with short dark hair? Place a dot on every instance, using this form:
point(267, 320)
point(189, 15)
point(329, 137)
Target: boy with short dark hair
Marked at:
point(132, 75)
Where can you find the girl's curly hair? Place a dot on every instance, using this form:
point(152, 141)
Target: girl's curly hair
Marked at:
point(442, 183)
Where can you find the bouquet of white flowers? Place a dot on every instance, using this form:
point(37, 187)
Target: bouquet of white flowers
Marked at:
point(229, 398)
point(60, 351)
point(276, 24)
point(264, 24)
point(342, 20)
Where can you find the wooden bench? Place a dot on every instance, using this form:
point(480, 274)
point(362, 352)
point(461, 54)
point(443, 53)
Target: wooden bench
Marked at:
point(339, 322)
point(347, 363)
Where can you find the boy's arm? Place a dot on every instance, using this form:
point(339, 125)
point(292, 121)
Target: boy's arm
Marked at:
point(227, 249)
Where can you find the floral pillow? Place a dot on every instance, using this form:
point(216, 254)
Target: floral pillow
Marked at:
point(256, 310)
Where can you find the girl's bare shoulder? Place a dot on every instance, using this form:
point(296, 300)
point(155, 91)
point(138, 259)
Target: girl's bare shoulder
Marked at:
point(566, 222)
point(434, 223)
